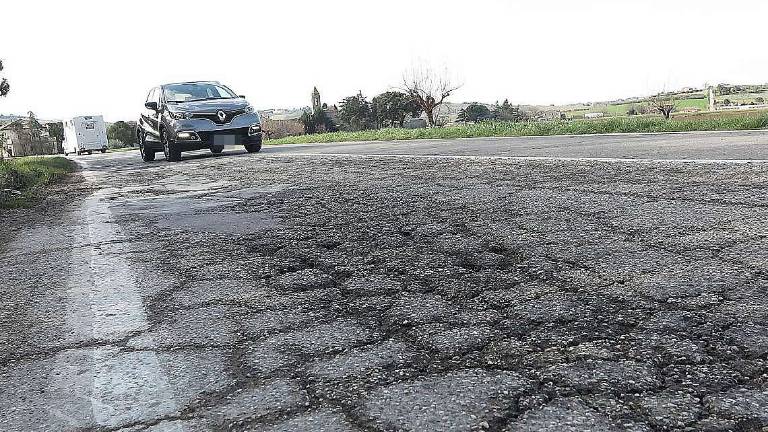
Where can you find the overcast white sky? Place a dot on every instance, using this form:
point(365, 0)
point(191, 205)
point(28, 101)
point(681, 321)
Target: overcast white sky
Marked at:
point(66, 58)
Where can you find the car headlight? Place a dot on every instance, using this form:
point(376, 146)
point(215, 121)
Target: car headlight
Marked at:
point(179, 115)
point(249, 109)
point(187, 136)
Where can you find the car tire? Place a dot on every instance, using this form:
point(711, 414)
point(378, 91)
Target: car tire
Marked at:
point(103, 150)
point(90, 152)
point(147, 155)
point(172, 153)
point(217, 150)
point(78, 152)
point(253, 148)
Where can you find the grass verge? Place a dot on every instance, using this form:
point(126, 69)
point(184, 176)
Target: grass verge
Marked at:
point(546, 128)
point(22, 179)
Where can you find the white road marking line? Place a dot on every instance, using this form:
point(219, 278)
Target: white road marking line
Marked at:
point(105, 305)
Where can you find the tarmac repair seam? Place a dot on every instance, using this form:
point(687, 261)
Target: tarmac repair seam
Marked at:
point(105, 306)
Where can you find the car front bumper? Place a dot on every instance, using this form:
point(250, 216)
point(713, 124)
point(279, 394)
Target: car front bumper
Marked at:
point(220, 138)
point(208, 134)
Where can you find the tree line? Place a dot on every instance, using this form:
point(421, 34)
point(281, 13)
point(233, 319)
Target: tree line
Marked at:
point(354, 113)
point(422, 91)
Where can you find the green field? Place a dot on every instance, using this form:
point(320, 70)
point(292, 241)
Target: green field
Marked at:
point(621, 109)
point(743, 97)
point(704, 115)
point(27, 175)
point(637, 124)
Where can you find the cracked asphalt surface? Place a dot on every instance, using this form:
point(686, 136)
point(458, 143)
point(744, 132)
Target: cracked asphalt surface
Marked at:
point(290, 291)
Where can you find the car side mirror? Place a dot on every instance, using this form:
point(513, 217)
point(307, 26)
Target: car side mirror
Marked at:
point(151, 105)
point(242, 96)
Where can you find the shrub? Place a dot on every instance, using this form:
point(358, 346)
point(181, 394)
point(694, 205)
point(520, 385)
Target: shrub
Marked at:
point(282, 128)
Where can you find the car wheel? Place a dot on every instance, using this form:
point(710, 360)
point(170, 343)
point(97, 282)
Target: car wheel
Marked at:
point(217, 150)
point(172, 153)
point(78, 152)
point(103, 150)
point(147, 155)
point(90, 152)
point(253, 148)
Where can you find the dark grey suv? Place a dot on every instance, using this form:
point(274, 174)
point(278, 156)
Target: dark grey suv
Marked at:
point(193, 116)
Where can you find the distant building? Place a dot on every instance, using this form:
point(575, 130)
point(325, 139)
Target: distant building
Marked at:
point(19, 138)
point(552, 115)
point(331, 113)
point(316, 104)
point(294, 115)
point(594, 115)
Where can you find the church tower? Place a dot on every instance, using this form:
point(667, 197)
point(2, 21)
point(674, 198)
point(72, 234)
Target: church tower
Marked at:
point(316, 104)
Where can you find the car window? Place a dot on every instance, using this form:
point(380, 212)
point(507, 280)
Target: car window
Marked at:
point(195, 91)
point(219, 91)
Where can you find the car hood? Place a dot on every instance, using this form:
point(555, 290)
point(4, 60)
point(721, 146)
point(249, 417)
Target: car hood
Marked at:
point(210, 105)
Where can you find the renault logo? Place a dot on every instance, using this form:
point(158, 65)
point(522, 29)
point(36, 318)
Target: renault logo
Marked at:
point(221, 115)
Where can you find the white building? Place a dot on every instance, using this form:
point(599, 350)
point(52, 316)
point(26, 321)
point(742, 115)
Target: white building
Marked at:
point(18, 138)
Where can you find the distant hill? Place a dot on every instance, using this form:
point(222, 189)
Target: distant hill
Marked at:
point(7, 118)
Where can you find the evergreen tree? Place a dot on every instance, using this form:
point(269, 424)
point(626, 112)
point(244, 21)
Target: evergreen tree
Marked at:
point(476, 112)
point(355, 112)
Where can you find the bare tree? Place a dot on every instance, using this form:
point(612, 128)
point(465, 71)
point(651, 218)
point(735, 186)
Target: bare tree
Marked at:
point(664, 104)
point(428, 89)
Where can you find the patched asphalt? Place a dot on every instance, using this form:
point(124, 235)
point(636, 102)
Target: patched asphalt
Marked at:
point(297, 292)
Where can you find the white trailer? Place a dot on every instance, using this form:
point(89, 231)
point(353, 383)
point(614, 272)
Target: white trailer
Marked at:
point(85, 134)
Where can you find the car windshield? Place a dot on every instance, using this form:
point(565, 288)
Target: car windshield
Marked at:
point(196, 91)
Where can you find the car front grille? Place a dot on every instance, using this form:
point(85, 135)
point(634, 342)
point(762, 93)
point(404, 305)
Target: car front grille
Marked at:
point(214, 117)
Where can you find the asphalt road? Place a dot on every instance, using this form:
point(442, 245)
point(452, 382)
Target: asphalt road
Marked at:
point(740, 145)
point(370, 290)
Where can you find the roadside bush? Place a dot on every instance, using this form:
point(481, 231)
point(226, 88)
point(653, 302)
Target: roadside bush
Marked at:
point(123, 133)
point(282, 128)
point(275, 129)
point(20, 177)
